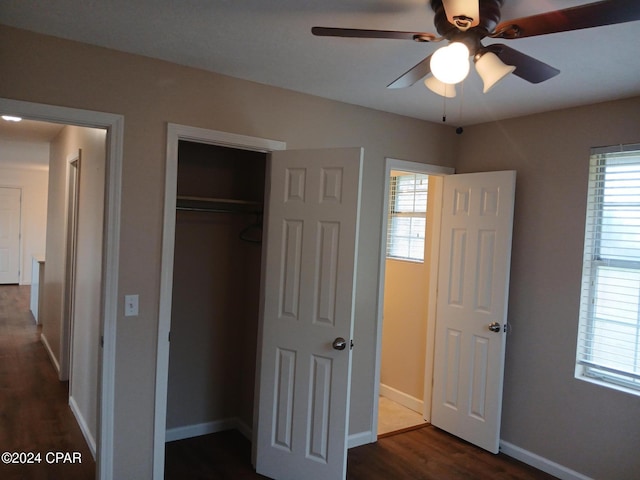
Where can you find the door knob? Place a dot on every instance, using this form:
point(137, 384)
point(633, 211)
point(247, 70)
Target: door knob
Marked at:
point(339, 343)
point(494, 327)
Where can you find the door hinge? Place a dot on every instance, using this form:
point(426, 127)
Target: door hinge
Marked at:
point(351, 344)
point(101, 341)
point(169, 336)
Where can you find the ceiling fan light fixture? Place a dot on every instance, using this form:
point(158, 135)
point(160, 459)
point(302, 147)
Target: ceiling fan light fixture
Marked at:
point(441, 88)
point(450, 64)
point(11, 118)
point(491, 70)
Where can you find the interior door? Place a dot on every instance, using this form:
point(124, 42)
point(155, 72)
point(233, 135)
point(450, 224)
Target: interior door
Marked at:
point(473, 280)
point(9, 235)
point(309, 284)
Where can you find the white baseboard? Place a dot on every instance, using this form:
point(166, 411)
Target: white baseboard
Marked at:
point(358, 439)
point(541, 463)
point(52, 357)
point(402, 398)
point(188, 431)
point(84, 428)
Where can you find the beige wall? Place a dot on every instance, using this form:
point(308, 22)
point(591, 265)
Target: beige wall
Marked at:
point(33, 220)
point(54, 273)
point(590, 429)
point(404, 326)
point(149, 94)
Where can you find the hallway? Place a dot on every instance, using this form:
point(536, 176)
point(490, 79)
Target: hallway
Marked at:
point(34, 413)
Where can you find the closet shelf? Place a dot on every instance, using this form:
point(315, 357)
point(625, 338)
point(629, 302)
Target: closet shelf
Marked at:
point(217, 205)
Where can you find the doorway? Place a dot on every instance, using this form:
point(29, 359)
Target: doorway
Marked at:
point(216, 290)
point(175, 135)
point(108, 279)
point(406, 308)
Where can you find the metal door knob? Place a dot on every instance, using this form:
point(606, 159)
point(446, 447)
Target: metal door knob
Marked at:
point(494, 327)
point(339, 343)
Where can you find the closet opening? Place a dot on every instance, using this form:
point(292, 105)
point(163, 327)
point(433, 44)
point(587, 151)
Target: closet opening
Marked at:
point(216, 290)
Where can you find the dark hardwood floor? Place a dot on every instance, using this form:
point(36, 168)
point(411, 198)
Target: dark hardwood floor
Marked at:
point(35, 417)
point(34, 405)
point(423, 454)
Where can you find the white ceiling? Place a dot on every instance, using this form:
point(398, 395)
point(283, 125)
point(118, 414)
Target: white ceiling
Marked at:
point(270, 41)
point(29, 131)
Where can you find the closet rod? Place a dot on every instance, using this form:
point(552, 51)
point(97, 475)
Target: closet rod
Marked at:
point(217, 205)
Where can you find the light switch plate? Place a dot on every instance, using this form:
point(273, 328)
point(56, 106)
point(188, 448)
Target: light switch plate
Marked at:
point(131, 305)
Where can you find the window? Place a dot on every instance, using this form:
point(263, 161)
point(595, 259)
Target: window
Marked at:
point(609, 335)
point(407, 216)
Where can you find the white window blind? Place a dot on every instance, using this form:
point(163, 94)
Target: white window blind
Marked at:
point(609, 334)
point(407, 216)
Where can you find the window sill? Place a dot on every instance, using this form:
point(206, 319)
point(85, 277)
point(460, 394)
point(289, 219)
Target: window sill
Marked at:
point(606, 384)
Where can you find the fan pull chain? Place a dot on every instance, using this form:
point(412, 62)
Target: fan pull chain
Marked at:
point(459, 130)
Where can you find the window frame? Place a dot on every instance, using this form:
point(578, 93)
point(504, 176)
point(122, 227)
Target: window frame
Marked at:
point(594, 260)
point(395, 213)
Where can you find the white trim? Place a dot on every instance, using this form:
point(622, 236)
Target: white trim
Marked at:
point(359, 439)
point(402, 398)
point(189, 431)
point(434, 253)
point(113, 183)
point(84, 428)
point(52, 357)
point(541, 463)
point(174, 134)
point(68, 285)
point(403, 165)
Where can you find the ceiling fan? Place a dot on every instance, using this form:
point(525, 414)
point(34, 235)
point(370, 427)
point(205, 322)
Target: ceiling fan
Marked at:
point(465, 23)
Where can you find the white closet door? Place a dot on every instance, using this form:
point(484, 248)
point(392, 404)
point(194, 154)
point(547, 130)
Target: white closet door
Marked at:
point(310, 270)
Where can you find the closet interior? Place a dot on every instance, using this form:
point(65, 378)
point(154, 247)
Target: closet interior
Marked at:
point(216, 290)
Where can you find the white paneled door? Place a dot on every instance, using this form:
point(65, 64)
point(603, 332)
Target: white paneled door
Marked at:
point(309, 284)
point(9, 235)
point(473, 288)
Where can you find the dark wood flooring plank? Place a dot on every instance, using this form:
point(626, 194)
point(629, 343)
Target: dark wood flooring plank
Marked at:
point(34, 410)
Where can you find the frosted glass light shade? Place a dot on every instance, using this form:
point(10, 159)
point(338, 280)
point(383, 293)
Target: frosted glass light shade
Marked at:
point(441, 88)
point(450, 64)
point(491, 69)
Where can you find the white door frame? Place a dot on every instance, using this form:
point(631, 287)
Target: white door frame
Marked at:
point(114, 124)
point(423, 168)
point(71, 235)
point(175, 133)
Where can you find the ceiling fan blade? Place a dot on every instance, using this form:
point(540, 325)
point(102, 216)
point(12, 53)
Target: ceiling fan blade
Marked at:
point(413, 75)
point(607, 12)
point(527, 68)
point(360, 33)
